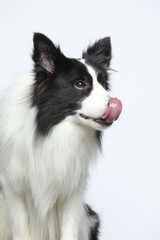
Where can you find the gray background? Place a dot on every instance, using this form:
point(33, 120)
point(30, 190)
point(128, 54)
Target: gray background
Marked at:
point(124, 187)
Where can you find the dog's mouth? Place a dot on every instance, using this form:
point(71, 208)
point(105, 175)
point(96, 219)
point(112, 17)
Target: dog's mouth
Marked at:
point(112, 114)
point(100, 121)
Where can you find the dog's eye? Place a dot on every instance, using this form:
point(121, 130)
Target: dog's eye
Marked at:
point(80, 84)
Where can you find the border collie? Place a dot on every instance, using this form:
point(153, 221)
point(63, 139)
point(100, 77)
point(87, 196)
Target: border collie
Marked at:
point(50, 133)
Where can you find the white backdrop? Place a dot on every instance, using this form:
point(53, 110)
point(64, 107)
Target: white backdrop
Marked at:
point(125, 185)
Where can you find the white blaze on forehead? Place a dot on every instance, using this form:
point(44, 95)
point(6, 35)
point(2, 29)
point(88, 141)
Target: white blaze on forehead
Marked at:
point(96, 104)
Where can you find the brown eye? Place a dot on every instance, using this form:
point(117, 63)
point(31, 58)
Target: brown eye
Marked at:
point(80, 84)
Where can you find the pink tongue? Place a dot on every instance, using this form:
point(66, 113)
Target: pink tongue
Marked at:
point(114, 110)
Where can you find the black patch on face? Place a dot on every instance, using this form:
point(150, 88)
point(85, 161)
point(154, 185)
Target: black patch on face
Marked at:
point(99, 56)
point(54, 91)
point(103, 79)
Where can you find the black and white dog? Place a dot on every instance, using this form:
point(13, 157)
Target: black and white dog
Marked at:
point(50, 133)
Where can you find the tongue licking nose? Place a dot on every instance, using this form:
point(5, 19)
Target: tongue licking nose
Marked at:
point(114, 110)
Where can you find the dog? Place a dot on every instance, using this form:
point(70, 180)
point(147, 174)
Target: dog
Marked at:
point(51, 125)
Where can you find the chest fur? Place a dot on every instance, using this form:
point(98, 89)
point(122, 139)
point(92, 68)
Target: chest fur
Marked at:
point(59, 165)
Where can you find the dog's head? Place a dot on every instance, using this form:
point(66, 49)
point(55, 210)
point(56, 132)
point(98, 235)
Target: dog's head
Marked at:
point(75, 89)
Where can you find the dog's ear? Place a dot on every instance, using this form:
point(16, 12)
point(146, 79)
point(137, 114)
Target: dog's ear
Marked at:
point(44, 53)
point(99, 54)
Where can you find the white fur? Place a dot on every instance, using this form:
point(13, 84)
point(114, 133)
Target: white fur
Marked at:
point(44, 179)
point(96, 104)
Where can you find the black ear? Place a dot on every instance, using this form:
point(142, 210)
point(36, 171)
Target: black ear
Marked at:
point(44, 53)
point(99, 54)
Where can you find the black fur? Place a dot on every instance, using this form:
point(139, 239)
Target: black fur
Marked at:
point(93, 216)
point(99, 56)
point(55, 75)
point(99, 138)
point(54, 92)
